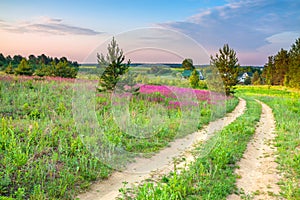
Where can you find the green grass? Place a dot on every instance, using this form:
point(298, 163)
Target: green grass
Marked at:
point(41, 153)
point(211, 176)
point(286, 108)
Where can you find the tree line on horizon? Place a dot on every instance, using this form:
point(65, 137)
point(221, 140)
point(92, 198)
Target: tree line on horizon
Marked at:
point(281, 69)
point(41, 65)
point(284, 67)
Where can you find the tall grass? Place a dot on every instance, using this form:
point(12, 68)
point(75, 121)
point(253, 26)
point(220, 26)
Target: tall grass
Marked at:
point(42, 153)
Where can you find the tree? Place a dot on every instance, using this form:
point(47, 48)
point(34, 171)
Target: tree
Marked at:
point(194, 79)
point(256, 80)
point(64, 69)
point(2, 61)
point(32, 61)
point(114, 66)
point(16, 60)
point(281, 61)
point(187, 64)
point(9, 69)
point(247, 80)
point(24, 68)
point(227, 64)
point(268, 72)
point(293, 76)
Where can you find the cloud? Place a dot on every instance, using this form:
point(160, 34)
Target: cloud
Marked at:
point(48, 26)
point(278, 41)
point(245, 25)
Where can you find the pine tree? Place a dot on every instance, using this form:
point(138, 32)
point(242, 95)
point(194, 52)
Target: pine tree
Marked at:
point(227, 64)
point(114, 66)
point(24, 68)
point(194, 79)
point(9, 69)
point(256, 80)
point(280, 67)
point(293, 76)
point(268, 72)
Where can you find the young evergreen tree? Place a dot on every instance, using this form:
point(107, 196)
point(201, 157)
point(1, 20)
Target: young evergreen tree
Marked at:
point(24, 68)
point(256, 80)
point(227, 64)
point(9, 69)
point(113, 66)
point(194, 79)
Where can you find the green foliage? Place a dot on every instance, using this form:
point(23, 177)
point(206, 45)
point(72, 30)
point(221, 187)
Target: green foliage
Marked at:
point(194, 79)
point(9, 69)
point(23, 68)
point(187, 64)
point(227, 64)
point(114, 66)
point(40, 66)
point(247, 80)
point(63, 69)
point(284, 67)
point(202, 84)
point(256, 80)
point(293, 76)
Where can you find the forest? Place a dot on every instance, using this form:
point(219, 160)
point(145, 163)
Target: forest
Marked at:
point(41, 65)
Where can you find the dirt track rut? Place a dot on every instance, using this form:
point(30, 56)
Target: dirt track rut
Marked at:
point(257, 168)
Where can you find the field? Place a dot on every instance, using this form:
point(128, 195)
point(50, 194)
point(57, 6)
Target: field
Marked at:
point(42, 155)
point(50, 150)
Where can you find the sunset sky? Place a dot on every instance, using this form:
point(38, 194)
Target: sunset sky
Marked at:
point(148, 29)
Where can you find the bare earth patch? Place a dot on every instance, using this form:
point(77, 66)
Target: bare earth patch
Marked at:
point(161, 163)
point(257, 168)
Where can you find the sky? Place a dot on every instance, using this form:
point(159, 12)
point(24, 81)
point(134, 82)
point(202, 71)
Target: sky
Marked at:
point(149, 30)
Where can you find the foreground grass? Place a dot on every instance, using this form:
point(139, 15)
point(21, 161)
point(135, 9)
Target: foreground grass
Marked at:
point(211, 176)
point(286, 108)
point(41, 154)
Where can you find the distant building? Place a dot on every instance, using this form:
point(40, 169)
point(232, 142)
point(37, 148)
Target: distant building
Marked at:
point(188, 73)
point(243, 77)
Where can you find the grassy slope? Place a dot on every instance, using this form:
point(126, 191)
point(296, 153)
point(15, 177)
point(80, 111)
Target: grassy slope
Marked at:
point(41, 155)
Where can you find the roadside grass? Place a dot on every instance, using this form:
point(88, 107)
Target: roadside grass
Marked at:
point(285, 103)
point(212, 175)
point(41, 153)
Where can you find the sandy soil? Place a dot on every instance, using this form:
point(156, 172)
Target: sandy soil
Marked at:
point(161, 163)
point(258, 172)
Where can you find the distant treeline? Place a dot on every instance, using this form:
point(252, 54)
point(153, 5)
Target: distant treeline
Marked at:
point(284, 67)
point(41, 65)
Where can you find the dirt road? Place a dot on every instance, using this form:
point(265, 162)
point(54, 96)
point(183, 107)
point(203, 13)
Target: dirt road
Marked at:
point(257, 168)
point(160, 163)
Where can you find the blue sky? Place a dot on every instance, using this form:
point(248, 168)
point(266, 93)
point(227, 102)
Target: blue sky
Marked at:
point(255, 29)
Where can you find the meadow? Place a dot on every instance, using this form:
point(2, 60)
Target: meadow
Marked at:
point(212, 176)
point(51, 129)
point(42, 150)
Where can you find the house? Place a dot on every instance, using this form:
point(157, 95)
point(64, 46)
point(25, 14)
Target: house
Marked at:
point(243, 77)
point(187, 73)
